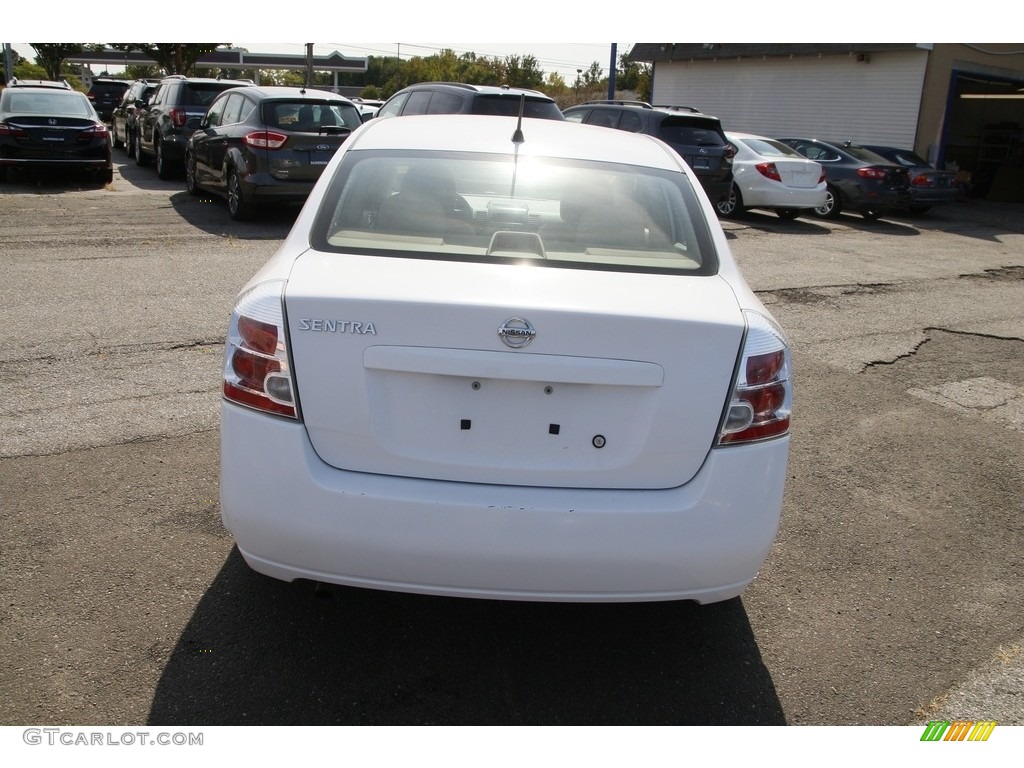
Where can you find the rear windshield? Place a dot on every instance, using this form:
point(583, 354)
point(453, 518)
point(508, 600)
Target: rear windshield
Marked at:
point(681, 130)
point(67, 104)
point(311, 117)
point(771, 148)
point(867, 155)
point(496, 104)
point(202, 94)
point(493, 208)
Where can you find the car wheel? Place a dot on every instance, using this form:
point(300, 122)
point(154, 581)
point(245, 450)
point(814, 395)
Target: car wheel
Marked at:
point(116, 141)
point(832, 206)
point(140, 157)
point(163, 168)
point(871, 214)
point(239, 208)
point(732, 204)
point(190, 175)
point(129, 145)
point(787, 213)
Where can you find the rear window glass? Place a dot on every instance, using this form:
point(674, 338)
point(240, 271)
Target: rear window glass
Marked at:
point(68, 104)
point(495, 104)
point(311, 117)
point(492, 208)
point(201, 94)
point(770, 148)
point(681, 130)
point(867, 155)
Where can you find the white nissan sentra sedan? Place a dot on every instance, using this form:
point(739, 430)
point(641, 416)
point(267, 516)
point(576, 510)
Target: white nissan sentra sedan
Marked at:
point(503, 361)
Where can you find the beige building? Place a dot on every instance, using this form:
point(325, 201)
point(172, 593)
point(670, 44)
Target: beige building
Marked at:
point(960, 105)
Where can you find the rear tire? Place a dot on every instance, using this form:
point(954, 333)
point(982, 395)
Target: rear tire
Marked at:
point(190, 175)
point(833, 205)
point(871, 215)
point(731, 206)
point(788, 213)
point(239, 208)
point(140, 157)
point(163, 168)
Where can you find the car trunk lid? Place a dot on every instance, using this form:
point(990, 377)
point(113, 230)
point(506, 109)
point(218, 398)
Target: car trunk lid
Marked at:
point(400, 370)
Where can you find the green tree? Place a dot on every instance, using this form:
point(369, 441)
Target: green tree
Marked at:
point(593, 76)
point(51, 56)
point(632, 75)
point(523, 72)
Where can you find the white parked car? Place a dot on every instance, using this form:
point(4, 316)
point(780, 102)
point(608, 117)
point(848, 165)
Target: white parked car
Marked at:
point(769, 174)
point(505, 361)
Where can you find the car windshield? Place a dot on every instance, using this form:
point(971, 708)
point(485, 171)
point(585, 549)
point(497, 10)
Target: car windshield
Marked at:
point(495, 208)
point(66, 104)
point(771, 148)
point(311, 117)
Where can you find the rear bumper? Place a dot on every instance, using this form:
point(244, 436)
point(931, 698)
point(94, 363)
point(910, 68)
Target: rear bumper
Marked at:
point(779, 196)
point(295, 517)
point(264, 187)
point(925, 196)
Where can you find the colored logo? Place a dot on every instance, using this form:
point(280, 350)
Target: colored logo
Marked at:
point(958, 730)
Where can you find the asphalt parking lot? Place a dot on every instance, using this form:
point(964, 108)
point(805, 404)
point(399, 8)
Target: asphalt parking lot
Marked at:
point(892, 595)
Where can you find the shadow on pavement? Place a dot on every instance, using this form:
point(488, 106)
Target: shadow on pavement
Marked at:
point(259, 651)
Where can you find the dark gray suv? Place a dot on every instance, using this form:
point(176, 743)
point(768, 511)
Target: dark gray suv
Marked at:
point(459, 98)
point(162, 124)
point(696, 137)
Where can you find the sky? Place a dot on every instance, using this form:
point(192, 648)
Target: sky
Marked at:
point(547, 24)
point(564, 58)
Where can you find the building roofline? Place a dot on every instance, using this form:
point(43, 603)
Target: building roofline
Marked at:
point(708, 51)
point(232, 58)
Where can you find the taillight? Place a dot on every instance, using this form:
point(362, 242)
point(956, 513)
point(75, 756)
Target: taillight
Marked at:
point(822, 177)
point(178, 117)
point(870, 172)
point(922, 180)
point(13, 130)
point(762, 399)
point(93, 132)
point(265, 139)
point(730, 151)
point(769, 171)
point(256, 369)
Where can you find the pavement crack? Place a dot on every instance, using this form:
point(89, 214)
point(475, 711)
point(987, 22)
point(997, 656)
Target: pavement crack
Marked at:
point(913, 351)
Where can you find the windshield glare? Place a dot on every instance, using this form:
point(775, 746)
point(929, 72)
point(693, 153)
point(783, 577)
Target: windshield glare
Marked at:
point(493, 208)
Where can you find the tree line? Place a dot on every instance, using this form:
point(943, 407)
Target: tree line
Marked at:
point(384, 74)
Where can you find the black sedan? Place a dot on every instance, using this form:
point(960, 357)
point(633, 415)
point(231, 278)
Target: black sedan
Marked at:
point(47, 125)
point(260, 144)
point(928, 185)
point(858, 180)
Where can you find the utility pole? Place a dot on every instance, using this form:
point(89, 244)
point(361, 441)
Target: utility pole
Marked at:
point(611, 76)
point(8, 62)
point(309, 64)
